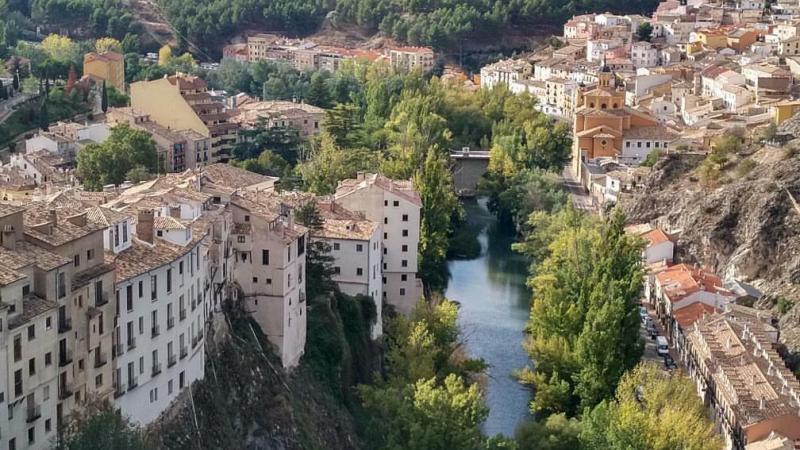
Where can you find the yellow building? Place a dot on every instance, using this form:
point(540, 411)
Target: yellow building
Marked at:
point(713, 38)
point(182, 102)
point(108, 67)
point(784, 111)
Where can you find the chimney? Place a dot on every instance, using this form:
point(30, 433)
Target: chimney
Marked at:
point(52, 217)
point(9, 238)
point(144, 225)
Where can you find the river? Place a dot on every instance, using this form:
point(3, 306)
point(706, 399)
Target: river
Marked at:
point(495, 304)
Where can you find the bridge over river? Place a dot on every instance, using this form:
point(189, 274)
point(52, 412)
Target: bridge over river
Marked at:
point(468, 167)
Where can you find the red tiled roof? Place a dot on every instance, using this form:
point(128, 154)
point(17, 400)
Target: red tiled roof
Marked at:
point(692, 313)
point(655, 237)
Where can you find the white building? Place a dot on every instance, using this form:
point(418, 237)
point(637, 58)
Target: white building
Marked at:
point(270, 254)
point(644, 54)
point(396, 205)
point(658, 247)
point(597, 48)
point(638, 142)
point(504, 73)
point(162, 294)
point(357, 250)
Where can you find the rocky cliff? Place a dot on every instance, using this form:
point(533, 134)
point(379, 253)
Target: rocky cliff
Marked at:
point(747, 226)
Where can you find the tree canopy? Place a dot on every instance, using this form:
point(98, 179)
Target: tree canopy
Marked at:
point(110, 162)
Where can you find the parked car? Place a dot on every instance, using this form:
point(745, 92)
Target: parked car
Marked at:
point(669, 363)
point(652, 331)
point(643, 314)
point(662, 346)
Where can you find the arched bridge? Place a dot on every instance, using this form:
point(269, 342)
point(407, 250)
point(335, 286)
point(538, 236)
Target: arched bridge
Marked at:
point(468, 167)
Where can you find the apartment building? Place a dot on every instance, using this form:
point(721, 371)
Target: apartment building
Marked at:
point(178, 150)
point(107, 66)
point(741, 378)
point(395, 205)
point(306, 119)
point(505, 73)
point(182, 102)
point(161, 289)
point(412, 58)
point(269, 250)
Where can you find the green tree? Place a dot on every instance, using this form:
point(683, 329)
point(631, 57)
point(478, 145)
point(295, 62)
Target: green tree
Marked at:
point(318, 94)
point(104, 98)
point(653, 410)
point(434, 182)
point(557, 432)
point(110, 162)
point(344, 125)
point(319, 262)
point(101, 428)
point(644, 32)
point(330, 164)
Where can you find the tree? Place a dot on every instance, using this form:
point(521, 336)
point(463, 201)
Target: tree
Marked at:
point(644, 32)
point(60, 49)
point(653, 410)
point(330, 164)
point(319, 262)
point(557, 432)
point(15, 81)
point(71, 80)
point(101, 427)
point(164, 55)
point(110, 162)
point(434, 182)
point(138, 174)
point(107, 44)
point(104, 98)
point(317, 93)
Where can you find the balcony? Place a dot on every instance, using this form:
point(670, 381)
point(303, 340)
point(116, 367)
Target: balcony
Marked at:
point(64, 357)
point(33, 412)
point(156, 369)
point(184, 352)
point(118, 350)
point(171, 360)
point(131, 343)
point(100, 359)
point(170, 323)
point(194, 341)
point(183, 314)
point(101, 300)
point(64, 324)
point(155, 331)
point(132, 383)
point(64, 391)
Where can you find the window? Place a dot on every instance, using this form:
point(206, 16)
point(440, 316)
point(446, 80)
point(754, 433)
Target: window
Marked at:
point(269, 280)
point(141, 288)
point(124, 232)
point(405, 217)
point(31, 435)
point(62, 285)
point(265, 257)
point(98, 380)
point(240, 239)
point(153, 286)
point(18, 383)
point(246, 218)
point(77, 260)
point(32, 367)
point(359, 247)
point(359, 271)
point(395, 203)
point(255, 279)
point(48, 359)
point(386, 203)
point(405, 233)
point(336, 246)
point(181, 380)
point(26, 290)
point(47, 426)
point(404, 248)
point(32, 332)
point(180, 268)
point(169, 387)
point(169, 280)
point(337, 270)
point(129, 297)
point(403, 277)
point(404, 263)
point(402, 291)
point(385, 236)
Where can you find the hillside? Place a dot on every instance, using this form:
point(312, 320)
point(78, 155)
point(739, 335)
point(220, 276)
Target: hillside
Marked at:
point(747, 227)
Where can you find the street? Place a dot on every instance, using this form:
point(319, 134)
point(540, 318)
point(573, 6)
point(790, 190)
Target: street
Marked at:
point(580, 198)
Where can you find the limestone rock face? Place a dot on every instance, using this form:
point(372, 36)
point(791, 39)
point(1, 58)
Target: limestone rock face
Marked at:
point(748, 227)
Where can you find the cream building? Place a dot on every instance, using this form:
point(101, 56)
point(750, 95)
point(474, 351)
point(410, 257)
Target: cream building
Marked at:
point(395, 205)
point(412, 58)
point(182, 102)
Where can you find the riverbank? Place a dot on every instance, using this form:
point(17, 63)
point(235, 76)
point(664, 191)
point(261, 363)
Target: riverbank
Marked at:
point(495, 305)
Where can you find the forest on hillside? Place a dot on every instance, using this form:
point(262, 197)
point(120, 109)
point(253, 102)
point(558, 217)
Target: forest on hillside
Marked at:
point(437, 23)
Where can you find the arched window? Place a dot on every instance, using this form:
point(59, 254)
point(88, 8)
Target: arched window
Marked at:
point(616, 106)
point(591, 105)
point(603, 106)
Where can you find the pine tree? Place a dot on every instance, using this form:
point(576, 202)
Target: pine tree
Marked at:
point(104, 98)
